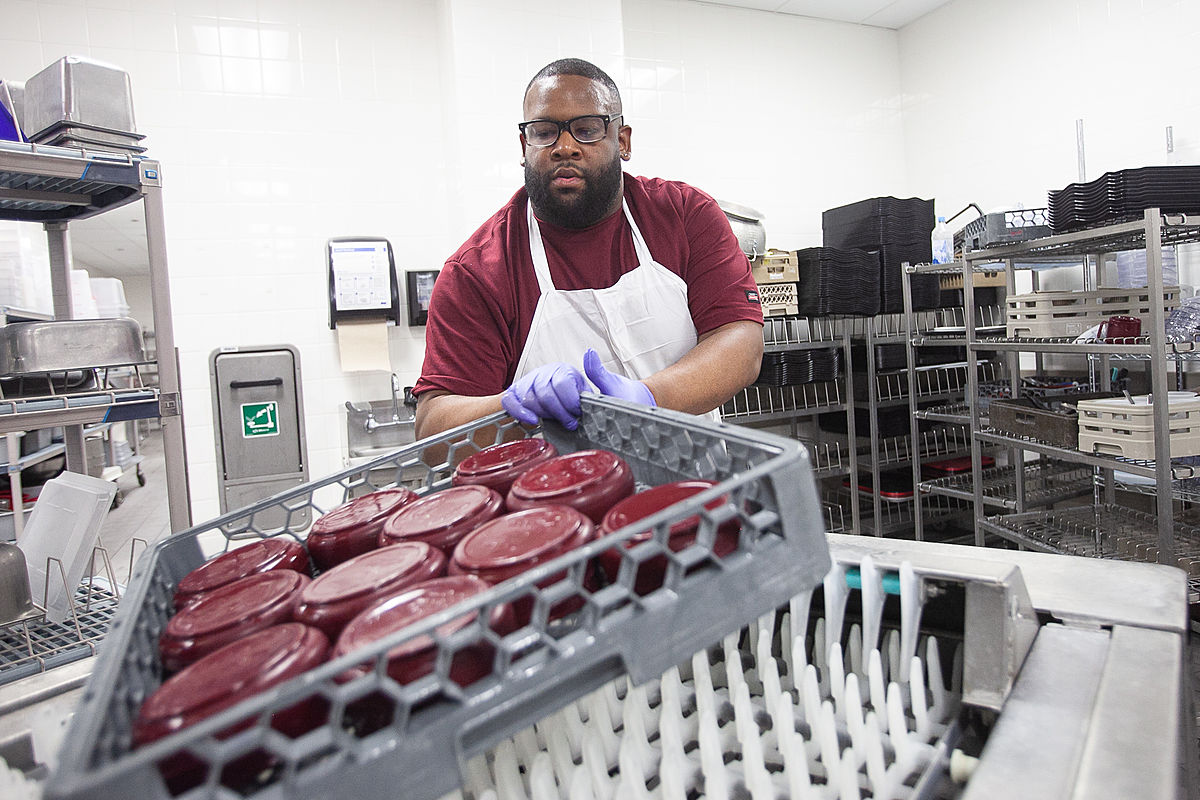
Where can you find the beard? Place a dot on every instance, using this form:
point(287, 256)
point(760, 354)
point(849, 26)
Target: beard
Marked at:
point(576, 211)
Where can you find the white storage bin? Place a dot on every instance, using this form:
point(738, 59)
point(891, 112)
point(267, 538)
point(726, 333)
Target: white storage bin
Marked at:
point(81, 295)
point(109, 294)
point(1114, 426)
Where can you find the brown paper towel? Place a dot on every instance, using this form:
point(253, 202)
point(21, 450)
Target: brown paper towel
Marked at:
point(363, 346)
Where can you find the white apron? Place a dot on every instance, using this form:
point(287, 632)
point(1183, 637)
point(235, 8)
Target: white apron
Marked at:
point(638, 326)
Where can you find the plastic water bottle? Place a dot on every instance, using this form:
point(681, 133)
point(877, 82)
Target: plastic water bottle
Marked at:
point(943, 242)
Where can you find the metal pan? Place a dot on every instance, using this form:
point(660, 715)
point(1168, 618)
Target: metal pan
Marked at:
point(38, 347)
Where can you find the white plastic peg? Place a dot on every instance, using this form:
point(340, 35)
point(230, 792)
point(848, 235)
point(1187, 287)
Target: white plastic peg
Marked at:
point(910, 615)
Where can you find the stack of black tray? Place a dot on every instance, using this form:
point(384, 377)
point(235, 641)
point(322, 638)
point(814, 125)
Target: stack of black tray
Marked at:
point(894, 357)
point(896, 231)
point(790, 367)
point(834, 281)
point(1125, 194)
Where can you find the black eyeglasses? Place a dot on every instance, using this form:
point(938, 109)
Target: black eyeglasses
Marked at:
point(586, 129)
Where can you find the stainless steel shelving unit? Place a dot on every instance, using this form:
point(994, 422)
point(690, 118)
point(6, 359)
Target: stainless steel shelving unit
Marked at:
point(1099, 528)
point(53, 186)
point(757, 405)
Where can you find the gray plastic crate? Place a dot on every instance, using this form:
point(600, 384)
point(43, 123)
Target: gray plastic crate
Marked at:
point(1003, 227)
point(436, 724)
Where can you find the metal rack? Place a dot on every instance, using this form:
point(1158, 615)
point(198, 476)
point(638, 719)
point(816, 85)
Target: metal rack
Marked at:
point(53, 186)
point(1043, 483)
point(764, 405)
point(1156, 537)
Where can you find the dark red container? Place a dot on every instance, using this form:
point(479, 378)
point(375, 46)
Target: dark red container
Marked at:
point(224, 678)
point(499, 465)
point(682, 534)
point(229, 613)
point(520, 541)
point(260, 556)
point(337, 596)
point(591, 481)
point(415, 658)
point(443, 518)
point(353, 528)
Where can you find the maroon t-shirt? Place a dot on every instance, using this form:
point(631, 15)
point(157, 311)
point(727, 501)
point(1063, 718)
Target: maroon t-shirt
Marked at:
point(484, 298)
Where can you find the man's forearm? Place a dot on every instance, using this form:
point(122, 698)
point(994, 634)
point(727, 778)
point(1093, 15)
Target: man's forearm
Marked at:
point(441, 411)
point(722, 363)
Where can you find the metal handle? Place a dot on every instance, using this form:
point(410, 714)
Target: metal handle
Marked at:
point(252, 384)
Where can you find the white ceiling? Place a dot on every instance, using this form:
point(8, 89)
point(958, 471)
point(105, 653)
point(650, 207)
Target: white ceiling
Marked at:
point(892, 14)
point(115, 243)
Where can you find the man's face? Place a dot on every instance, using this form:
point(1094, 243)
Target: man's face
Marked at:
point(573, 185)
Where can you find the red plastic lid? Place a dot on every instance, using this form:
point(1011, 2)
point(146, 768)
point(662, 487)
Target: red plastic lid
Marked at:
point(332, 599)
point(405, 609)
point(501, 464)
point(373, 507)
point(260, 556)
point(229, 675)
point(523, 538)
point(643, 504)
point(568, 473)
point(443, 518)
point(230, 612)
point(590, 480)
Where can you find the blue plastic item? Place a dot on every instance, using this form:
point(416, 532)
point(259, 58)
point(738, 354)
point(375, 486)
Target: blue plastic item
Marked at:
point(9, 130)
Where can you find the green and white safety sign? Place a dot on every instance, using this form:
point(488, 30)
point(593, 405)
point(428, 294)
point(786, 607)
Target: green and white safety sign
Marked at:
point(260, 419)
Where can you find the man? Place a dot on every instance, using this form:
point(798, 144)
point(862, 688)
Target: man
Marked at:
point(637, 283)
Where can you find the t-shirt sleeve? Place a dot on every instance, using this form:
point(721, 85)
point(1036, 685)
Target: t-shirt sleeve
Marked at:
point(721, 288)
point(468, 343)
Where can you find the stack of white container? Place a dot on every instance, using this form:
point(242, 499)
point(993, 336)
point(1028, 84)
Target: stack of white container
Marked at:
point(109, 295)
point(24, 268)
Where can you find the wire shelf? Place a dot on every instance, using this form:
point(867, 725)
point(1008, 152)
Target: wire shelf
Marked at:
point(896, 518)
point(1130, 235)
point(941, 380)
point(765, 403)
point(1104, 531)
point(937, 443)
point(952, 413)
point(52, 644)
point(1045, 483)
point(949, 326)
point(828, 458)
point(837, 517)
point(792, 333)
point(1181, 468)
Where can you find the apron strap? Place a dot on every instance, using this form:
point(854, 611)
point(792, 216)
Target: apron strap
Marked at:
point(537, 249)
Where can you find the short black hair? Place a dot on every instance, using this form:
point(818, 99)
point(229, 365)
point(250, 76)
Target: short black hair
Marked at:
point(581, 68)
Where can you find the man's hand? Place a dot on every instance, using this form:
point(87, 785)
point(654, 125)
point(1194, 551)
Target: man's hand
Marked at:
point(551, 390)
point(614, 385)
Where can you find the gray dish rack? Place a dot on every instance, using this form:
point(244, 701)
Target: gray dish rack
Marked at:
point(909, 669)
point(764, 480)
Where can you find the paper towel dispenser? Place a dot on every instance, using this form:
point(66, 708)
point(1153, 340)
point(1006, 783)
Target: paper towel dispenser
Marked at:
point(362, 280)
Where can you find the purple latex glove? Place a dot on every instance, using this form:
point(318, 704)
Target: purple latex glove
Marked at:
point(551, 390)
point(615, 385)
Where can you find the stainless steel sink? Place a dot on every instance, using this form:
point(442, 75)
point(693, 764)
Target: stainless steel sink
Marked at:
point(376, 427)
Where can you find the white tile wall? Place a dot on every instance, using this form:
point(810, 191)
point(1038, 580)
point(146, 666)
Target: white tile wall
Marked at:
point(281, 123)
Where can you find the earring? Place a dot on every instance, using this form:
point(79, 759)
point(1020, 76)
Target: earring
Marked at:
point(625, 156)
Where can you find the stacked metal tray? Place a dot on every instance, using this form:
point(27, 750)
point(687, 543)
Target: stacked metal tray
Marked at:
point(763, 482)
